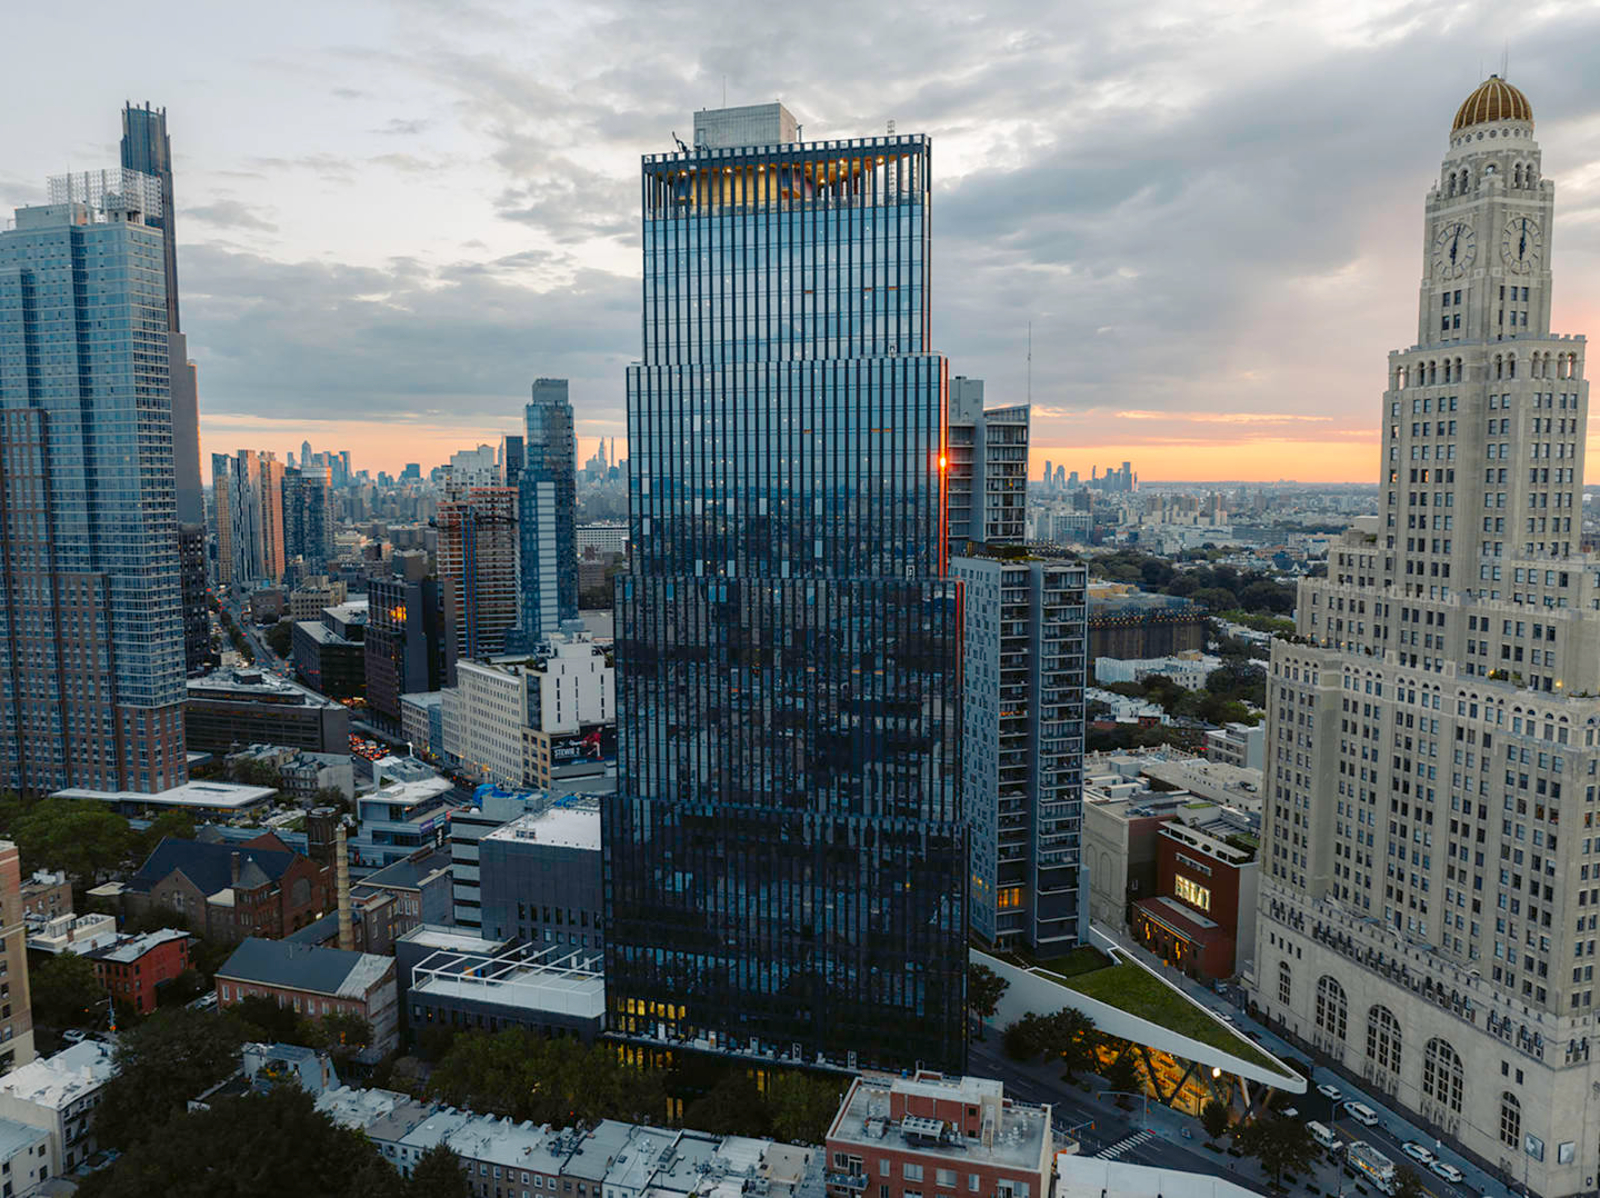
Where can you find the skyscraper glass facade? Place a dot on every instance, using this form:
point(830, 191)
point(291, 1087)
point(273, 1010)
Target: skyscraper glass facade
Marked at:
point(91, 629)
point(547, 513)
point(786, 852)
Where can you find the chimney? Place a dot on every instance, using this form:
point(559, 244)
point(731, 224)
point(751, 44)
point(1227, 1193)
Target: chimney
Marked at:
point(233, 868)
point(341, 865)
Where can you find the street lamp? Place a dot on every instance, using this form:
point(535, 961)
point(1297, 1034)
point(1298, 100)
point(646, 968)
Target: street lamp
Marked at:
point(1145, 1095)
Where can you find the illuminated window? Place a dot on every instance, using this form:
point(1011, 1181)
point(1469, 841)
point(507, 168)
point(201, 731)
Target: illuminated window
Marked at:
point(1008, 897)
point(1193, 893)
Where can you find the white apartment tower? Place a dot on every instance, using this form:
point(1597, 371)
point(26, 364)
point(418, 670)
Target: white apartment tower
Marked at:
point(1431, 866)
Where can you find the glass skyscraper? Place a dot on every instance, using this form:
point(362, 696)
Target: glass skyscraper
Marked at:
point(146, 148)
point(91, 626)
point(547, 513)
point(786, 856)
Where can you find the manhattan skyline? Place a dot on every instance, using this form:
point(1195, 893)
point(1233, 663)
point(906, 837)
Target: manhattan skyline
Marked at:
point(1202, 211)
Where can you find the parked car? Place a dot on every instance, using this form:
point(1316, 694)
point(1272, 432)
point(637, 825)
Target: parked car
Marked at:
point(1330, 1092)
point(1361, 1113)
point(1418, 1153)
point(1447, 1171)
point(74, 1035)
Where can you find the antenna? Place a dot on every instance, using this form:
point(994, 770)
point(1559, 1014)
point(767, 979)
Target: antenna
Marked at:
point(1030, 361)
point(1505, 60)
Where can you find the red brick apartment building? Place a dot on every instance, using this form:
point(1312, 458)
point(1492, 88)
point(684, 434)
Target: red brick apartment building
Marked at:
point(932, 1136)
point(131, 969)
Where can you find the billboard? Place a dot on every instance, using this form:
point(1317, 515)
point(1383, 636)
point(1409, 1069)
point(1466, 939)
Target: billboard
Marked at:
point(591, 743)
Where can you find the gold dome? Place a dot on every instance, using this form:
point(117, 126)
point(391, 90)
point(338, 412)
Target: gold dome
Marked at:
point(1494, 100)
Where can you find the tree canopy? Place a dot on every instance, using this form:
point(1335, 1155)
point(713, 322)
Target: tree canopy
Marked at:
point(65, 991)
point(1279, 1144)
point(161, 1064)
point(82, 838)
point(985, 989)
point(561, 1082)
point(260, 1145)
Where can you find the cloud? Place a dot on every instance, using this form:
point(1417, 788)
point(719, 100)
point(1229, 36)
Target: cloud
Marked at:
point(229, 214)
point(404, 128)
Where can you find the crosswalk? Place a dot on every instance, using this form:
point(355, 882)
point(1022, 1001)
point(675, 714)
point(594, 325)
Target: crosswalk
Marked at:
point(1124, 1145)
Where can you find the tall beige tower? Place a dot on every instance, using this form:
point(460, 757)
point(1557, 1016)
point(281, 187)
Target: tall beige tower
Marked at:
point(1432, 870)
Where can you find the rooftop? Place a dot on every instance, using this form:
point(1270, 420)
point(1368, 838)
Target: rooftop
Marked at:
point(439, 936)
point(210, 865)
point(504, 1142)
point(410, 873)
point(865, 1118)
point(15, 1137)
point(250, 683)
point(63, 1079)
point(305, 967)
point(552, 979)
point(218, 796)
point(573, 826)
point(131, 948)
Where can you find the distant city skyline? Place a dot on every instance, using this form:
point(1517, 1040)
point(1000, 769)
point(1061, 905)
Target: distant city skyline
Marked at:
point(397, 215)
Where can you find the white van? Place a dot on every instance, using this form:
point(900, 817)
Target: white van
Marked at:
point(1325, 1137)
point(1361, 1113)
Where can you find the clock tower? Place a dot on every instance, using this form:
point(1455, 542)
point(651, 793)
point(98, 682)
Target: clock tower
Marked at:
point(1486, 231)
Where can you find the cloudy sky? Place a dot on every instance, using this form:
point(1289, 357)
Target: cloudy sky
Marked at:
point(392, 216)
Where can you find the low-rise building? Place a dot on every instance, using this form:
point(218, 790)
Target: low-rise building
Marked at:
point(69, 933)
point(453, 979)
point(540, 877)
point(491, 807)
point(1189, 670)
point(228, 891)
point(24, 1158)
point(58, 1095)
point(401, 817)
point(132, 969)
point(47, 894)
point(330, 652)
point(1240, 745)
point(422, 723)
point(908, 1136)
point(229, 709)
point(315, 982)
point(308, 599)
point(1204, 907)
point(303, 773)
point(387, 904)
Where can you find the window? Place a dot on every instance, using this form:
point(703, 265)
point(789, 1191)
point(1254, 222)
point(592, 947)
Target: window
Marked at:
point(1285, 988)
point(1383, 1039)
point(1442, 1074)
point(1510, 1119)
point(911, 1172)
point(1331, 1007)
point(1192, 892)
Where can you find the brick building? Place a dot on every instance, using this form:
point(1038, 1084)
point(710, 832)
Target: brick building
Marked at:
point(131, 969)
point(16, 1013)
point(908, 1137)
point(1205, 900)
point(228, 892)
point(47, 895)
point(315, 982)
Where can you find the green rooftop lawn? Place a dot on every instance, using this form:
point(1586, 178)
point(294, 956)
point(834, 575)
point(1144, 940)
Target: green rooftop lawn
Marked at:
point(1079, 960)
point(1136, 990)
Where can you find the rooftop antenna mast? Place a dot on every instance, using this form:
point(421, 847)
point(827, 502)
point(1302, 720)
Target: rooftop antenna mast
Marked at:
point(1030, 362)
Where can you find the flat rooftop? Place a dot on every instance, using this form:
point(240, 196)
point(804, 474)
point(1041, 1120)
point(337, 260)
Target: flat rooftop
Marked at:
point(219, 796)
point(865, 1120)
point(61, 1080)
point(571, 827)
point(250, 683)
point(556, 980)
point(130, 949)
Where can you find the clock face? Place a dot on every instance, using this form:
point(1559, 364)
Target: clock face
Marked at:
point(1522, 244)
point(1454, 248)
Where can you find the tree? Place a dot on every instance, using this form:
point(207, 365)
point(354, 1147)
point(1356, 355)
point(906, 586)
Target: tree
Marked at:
point(1407, 1183)
point(81, 838)
point(439, 1174)
point(254, 1146)
point(1279, 1144)
point(177, 824)
point(985, 989)
point(1215, 599)
point(279, 637)
point(161, 1064)
point(66, 991)
point(267, 1019)
point(1122, 1074)
point(346, 1033)
point(733, 1107)
point(1214, 1118)
point(560, 1082)
point(1071, 1035)
point(801, 1106)
point(1023, 1039)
